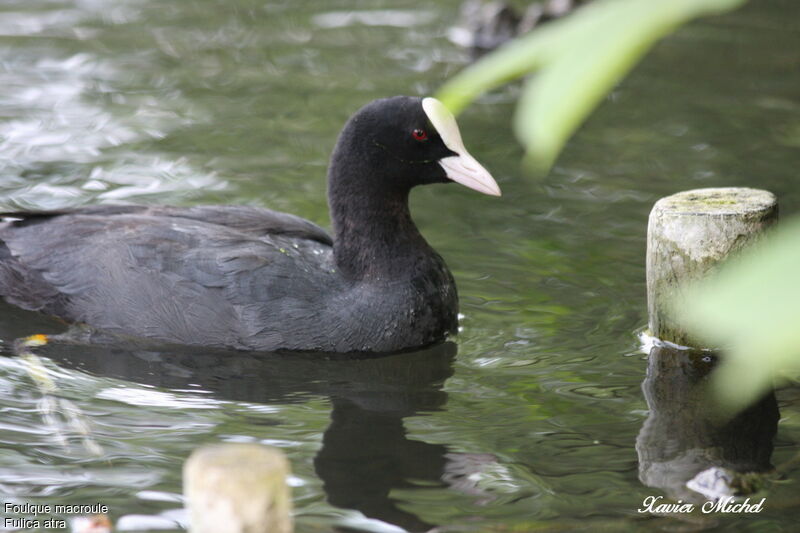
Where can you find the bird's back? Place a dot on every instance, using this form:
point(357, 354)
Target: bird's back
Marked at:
point(238, 277)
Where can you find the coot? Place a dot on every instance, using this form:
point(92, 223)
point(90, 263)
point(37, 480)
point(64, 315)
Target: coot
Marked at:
point(254, 279)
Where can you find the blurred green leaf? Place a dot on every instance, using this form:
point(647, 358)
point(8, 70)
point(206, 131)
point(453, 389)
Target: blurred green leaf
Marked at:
point(579, 58)
point(751, 308)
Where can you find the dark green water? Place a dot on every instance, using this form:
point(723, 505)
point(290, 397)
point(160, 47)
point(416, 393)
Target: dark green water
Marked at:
point(529, 420)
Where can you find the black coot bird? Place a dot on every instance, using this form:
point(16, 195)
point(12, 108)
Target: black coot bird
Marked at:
point(255, 279)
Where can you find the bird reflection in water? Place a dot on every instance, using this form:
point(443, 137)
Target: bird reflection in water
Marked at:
point(366, 453)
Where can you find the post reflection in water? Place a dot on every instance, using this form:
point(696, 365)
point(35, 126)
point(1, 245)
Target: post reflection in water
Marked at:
point(683, 436)
point(365, 452)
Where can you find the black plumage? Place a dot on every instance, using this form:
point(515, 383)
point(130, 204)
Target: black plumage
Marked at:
point(255, 279)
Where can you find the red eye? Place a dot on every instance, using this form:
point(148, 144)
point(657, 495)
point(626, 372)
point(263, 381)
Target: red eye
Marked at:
point(419, 135)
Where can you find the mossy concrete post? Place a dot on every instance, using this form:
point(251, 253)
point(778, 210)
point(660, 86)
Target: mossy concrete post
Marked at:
point(237, 488)
point(689, 234)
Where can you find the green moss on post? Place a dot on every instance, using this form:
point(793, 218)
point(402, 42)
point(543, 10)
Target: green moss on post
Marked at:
point(237, 488)
point(689, 234)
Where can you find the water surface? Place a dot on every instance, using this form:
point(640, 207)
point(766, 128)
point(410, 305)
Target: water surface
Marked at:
point(534, 418)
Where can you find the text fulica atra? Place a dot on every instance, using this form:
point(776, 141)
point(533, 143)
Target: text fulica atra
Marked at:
point(250, 278)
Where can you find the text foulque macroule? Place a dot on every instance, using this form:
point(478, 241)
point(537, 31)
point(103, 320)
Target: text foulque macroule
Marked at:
point(28, 513)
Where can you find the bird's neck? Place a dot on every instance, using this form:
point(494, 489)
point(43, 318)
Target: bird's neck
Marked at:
point(375, 237)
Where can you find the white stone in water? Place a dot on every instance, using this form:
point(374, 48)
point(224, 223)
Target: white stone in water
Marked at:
point(238, 488)
point(689, 235)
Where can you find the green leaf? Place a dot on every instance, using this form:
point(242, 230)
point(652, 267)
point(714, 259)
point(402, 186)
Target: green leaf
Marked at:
point(580, 58)
point(514, 60)
point(752, 309)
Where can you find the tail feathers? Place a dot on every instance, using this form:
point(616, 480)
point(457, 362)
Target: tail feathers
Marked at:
point(27, 288)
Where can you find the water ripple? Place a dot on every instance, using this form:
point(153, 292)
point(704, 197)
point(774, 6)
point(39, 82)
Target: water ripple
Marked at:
point(153, 398)
point(378, 17)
